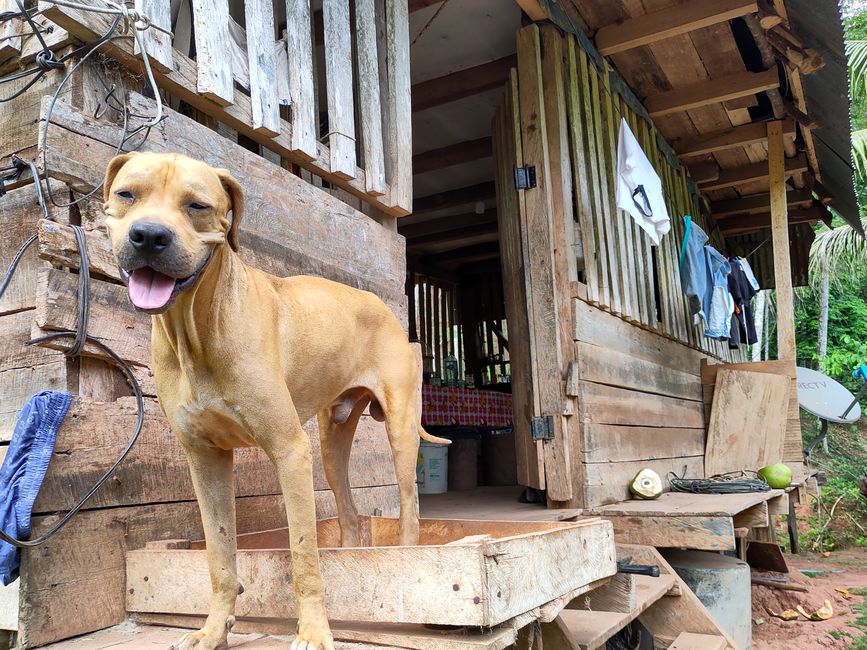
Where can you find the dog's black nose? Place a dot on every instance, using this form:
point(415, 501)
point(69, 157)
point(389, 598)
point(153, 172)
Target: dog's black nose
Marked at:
point(147, 237)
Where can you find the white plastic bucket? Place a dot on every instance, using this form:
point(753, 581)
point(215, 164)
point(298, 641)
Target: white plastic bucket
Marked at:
point(432, 468)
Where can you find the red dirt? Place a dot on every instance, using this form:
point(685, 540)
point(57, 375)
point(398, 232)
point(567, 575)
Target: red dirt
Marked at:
point(776, 634)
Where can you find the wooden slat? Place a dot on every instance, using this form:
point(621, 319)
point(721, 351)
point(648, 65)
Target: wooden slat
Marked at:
point(452, 198)
point(304, 133)
point(581, 167)
point(751, 173)
point(739, 224)
point(157, 44)
point(213, 56)
point(658, 25)
point(704, 172)
point(338, 78)
point(750, 438)
point(464, 83)
point(442, 225)
point(542, 297)
point(756, 203)
point(263, 66)
point(453, 154)
point(711, 91)
point(369, 96)
point(780, 235)
point(605, 405)
point(399, 140)
point(609, 443)
point(607, 483)
point(10, 43)
point(736, 136)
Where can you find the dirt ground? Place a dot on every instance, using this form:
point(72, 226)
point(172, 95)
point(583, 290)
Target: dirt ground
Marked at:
point(846, 569)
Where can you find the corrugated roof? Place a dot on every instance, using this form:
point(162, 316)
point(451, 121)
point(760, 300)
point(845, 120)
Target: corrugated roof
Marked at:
point(818, 25)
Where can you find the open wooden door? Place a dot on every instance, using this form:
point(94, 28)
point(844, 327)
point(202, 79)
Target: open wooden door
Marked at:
point(531, 141)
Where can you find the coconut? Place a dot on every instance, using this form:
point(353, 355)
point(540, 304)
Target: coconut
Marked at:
point(778, 475)
point(646, 484)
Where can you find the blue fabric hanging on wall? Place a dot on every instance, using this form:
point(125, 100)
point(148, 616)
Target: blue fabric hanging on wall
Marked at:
point(24, 469)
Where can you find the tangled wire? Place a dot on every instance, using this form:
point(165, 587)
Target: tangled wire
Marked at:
point(731, 483)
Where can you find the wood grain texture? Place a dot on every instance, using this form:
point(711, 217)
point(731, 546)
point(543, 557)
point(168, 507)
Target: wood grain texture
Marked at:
point(10, 33)
point(300, 49)
point(608, 443)
point(747, 422)
point(369, 94)
point(496, 579)
point(700, 532)
point(56, 575)
point(158, 45)
point(780, 237)
point(729, 138)
point(605, 405)
point(213, 57)
point(399, 105)
point(702, 93)
point(607, 483)
point(262, 62)
point(338, 84)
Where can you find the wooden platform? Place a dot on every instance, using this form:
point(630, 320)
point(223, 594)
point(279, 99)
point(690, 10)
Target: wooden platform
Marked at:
point(709, 522)
point(489, 503)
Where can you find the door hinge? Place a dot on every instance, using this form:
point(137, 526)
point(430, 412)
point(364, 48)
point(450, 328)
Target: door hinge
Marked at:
point(542, 428)
point(525, 177)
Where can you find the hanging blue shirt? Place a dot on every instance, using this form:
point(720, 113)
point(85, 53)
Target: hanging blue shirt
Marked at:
point(24, 468)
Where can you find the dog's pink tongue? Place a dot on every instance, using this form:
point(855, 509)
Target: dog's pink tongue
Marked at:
point(149, 289)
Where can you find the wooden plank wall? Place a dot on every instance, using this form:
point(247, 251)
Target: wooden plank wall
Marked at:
point(434, 319)
point(351, 150)
point(76, 583)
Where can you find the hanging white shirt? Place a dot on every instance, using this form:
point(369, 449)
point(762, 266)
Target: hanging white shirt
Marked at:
point(639, 189)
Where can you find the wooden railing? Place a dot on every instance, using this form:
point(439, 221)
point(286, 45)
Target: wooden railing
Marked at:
point(363, 142)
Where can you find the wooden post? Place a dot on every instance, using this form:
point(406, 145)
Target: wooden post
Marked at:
point(780, 235)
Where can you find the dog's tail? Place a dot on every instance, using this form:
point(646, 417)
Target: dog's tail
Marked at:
point(424, 435)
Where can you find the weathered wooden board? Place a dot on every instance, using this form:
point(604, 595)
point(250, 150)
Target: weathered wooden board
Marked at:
point(299, 27)
point(601, 404)
point(685, 504)
point(94, 434)
point(748, 421)
point(702, 532)
point(609, 482)
point(398, 104)
point(606, 443)
point(213, 56)
point(158, 44)
point(262, 61)
point(339, 90)
point(600, 328)
point(24, 370)
point(287, 222)
point(369, 95)
point(482, 583)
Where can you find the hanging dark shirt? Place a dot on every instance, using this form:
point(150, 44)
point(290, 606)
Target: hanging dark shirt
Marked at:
point(743, 329)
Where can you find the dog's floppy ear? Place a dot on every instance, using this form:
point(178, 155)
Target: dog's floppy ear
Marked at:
point(236, 205)
point(111, 172)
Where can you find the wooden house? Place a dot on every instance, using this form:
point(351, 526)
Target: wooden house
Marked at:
point(380, 144)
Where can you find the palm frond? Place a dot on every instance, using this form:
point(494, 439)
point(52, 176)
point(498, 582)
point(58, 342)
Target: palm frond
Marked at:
point(837, 250)
point(859, 152)
point(857, 52)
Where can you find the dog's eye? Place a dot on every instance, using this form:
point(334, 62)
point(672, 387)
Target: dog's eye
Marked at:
point(198, 206)
point(126, 195)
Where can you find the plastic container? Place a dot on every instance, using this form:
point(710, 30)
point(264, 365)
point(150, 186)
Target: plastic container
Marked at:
point(432, 468)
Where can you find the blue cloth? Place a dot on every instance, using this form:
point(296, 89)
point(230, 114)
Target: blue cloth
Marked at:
point(694, 276)
point(719, 305)
point(24, 468)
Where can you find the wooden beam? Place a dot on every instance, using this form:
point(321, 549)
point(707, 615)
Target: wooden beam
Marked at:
point(659, 25)
point(464, 83)
point(457, 234)
point(737, 136)
point(704, 172)
point(453, 154)
point(759, 203)
point(444, 224)
point(780, 237)
point(752, 173)
point(744, 223)
point(452, 198)
point(533, 9)
point(711, 91)
point(418, 5)
point(474, 252)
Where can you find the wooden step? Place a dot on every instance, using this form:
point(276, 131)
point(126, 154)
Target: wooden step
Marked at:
point(591, 629)
point(690, 641)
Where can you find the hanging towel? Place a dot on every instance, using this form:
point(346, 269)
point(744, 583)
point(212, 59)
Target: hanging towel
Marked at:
point(24, 468)
point(639, 190)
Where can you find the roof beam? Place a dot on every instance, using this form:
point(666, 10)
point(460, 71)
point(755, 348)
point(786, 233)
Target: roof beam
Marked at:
point(752, 173)
point(454, 154)
point(673, 21)
point(737, 136)
point(455, 235)
point(464, 83)
point(474, 252)
point(704, 172)
point(451, 198)
point(746, 223)
point(757, 203)
point(711, 91)
point(443, 224)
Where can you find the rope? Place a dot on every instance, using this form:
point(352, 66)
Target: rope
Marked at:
point(731, 483)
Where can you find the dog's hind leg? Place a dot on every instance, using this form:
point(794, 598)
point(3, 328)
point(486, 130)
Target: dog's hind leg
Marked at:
point(211, 470)
point(401, 422)
point(335, 439)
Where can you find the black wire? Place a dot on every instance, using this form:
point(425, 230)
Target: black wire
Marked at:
point(732, 483)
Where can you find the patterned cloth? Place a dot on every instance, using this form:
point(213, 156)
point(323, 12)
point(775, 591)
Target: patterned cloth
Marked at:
point(446, 407)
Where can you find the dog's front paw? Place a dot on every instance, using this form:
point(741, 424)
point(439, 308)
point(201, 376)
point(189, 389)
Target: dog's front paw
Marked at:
point(313, 637)
point(200, 641)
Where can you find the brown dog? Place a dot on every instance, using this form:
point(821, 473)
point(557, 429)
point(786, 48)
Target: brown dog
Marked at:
point(242, 358)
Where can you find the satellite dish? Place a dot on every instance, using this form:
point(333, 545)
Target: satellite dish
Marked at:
point(825, 398)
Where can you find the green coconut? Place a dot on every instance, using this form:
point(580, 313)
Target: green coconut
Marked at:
point(646, 484)
point(778, 475)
